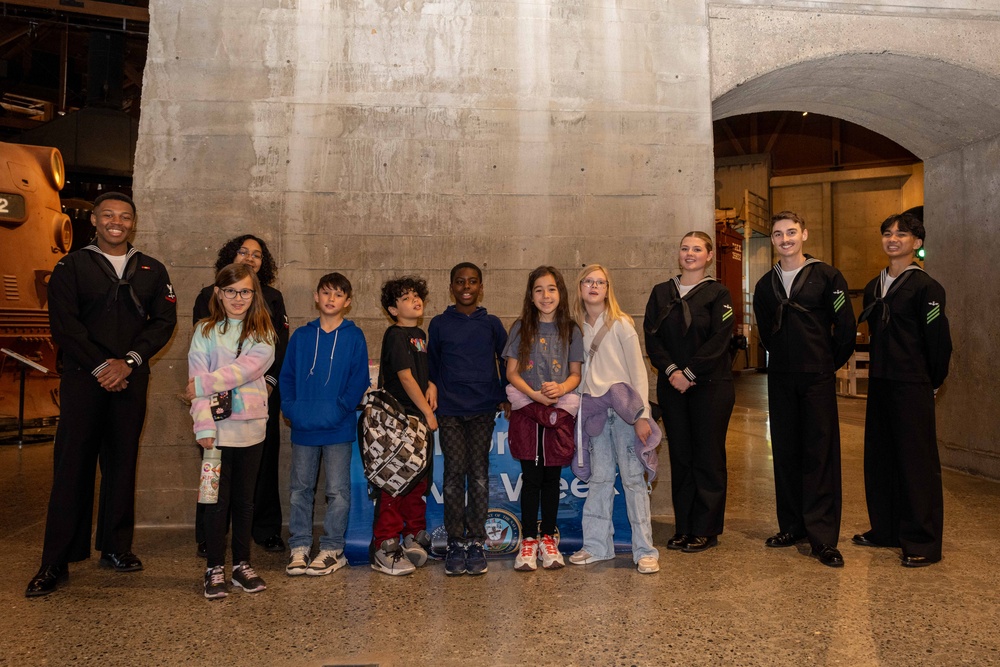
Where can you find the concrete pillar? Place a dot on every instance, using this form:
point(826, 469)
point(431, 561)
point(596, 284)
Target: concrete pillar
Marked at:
point(376, 138)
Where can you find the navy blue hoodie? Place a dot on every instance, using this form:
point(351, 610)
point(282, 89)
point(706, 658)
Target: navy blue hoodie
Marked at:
point(463, 353)
point(323, 378)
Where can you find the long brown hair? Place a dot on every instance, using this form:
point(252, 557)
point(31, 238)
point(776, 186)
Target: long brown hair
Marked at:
point(529, 315)
point(257, 323)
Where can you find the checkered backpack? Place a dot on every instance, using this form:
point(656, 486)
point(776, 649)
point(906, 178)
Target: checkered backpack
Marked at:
point(394, 445)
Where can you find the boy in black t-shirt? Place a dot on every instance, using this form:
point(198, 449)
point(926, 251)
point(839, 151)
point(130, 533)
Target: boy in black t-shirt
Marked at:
point(404, 374)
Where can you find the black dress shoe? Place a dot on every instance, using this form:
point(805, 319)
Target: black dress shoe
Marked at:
point(917, 561)
point(125, 561)
point(46, 580)
point(203, 549)
point(828, 555)
point(861, 539)
point(678, 541)
point(274, 544)
point(783, 540)
point(697, 544)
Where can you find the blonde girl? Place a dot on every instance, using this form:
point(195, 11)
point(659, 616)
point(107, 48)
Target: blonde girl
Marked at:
point(617, 360)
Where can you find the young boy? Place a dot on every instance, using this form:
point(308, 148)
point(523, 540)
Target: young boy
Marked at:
point(910, 352)
point(466, 344)
point(805, 320)
point(403, 369)
point(324, 376)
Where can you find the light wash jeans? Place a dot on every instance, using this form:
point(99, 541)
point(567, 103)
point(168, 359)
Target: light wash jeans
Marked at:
point(336, 461)
point(616, 445)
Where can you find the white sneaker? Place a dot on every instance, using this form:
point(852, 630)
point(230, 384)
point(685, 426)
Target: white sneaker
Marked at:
point(298, 561)
point(391, 560)
point(326, 561)
point(415, 547)
point(648, 565)
point(584, 557)
point(527, 558)
point(551, 558)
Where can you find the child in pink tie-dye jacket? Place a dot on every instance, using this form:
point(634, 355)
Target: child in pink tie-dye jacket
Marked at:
point(230, 350)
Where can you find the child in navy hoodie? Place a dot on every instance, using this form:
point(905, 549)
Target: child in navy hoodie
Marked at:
point(323, 378)
point(465, 348)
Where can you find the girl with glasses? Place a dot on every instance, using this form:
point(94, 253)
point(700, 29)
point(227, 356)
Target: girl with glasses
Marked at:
point(614, 367)
point(252, 251)
point(230, 351)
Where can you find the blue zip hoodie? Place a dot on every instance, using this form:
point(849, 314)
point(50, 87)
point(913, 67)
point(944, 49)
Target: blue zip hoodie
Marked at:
point(323, 378)
point(463, 353)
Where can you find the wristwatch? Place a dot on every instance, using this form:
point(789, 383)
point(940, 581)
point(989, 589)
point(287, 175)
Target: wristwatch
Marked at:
point(130, 362)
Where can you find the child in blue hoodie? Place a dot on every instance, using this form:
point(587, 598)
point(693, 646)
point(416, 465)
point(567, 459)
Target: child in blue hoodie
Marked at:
point(464, 353)
point(323, 378)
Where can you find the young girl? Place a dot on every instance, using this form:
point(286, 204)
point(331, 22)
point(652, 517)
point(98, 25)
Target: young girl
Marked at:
point(688, 326)
point(616, 362)
point(544, 353)
point(230, 350)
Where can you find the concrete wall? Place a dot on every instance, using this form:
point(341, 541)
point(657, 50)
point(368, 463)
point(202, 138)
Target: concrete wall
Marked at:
point(962, 254)
point(377, 137)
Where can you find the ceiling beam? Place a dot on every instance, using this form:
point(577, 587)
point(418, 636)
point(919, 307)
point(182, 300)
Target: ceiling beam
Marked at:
point(777, 132)
point(91, 7)
point(17, 34)
point(734, 142)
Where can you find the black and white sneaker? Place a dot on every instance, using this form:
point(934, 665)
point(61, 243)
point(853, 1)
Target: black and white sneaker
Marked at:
point(325, 562)
point(215, 583)
point(244, 577)
point(298, 561)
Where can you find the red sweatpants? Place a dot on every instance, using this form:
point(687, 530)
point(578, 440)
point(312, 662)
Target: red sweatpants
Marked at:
point(402, 515)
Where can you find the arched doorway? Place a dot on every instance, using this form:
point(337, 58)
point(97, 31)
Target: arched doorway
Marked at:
point(949, 117)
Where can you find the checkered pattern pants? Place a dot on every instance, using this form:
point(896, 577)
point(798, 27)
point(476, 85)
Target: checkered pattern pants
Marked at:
point(465, 443)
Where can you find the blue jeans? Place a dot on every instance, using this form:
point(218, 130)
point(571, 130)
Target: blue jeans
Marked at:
point(616, 446)
point(336, 461)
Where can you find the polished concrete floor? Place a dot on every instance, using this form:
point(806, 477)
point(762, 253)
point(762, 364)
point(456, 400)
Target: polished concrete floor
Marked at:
point(738, 604)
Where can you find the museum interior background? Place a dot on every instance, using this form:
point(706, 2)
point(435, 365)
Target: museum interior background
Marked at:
point(383, 137)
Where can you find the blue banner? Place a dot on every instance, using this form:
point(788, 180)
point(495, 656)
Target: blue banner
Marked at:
point(503, 525)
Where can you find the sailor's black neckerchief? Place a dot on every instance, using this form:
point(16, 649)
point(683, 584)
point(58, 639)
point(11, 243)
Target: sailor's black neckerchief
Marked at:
point(676, 299)
point(132, 263)
point(789, 300)
point(881, 294)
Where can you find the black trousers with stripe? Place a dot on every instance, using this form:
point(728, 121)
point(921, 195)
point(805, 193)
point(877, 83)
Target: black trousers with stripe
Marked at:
point(902, 468)
point(805, 443)
point(95, 427)
point(696, 423)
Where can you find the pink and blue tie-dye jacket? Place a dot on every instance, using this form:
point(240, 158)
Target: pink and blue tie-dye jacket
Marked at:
point(214, 366)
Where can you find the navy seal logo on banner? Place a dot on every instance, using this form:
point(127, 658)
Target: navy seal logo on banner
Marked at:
point(503, 532)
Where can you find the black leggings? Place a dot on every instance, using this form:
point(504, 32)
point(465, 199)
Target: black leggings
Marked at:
point(539, 486)
point(237, 481)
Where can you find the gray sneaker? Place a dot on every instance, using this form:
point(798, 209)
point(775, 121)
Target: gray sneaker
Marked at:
point(298, 561)
point(326, 561)
point(416, 547)
point(390, 559)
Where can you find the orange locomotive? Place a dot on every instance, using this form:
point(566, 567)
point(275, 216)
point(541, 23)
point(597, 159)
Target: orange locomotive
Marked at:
point(34, 235)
